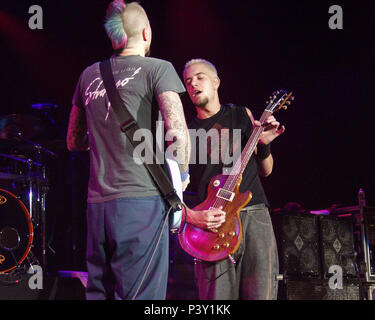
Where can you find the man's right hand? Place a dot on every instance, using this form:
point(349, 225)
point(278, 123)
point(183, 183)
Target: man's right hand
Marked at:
point(206, 219)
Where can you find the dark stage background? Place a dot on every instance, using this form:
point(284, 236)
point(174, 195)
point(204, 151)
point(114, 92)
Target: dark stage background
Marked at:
point(323, 158)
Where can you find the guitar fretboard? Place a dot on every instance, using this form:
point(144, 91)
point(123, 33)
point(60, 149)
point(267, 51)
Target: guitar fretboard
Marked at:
point(278, 100)
point(236, 173)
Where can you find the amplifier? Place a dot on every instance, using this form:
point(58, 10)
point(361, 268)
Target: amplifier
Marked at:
point(297, 237)
point(309, 245)
point(337, 243)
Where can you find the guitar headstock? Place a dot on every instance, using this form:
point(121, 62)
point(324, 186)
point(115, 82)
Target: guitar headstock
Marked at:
point(279, 99)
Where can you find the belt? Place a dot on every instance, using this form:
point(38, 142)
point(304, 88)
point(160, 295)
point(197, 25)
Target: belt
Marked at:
point(254, 207)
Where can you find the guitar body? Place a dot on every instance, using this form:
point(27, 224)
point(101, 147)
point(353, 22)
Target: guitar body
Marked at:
point(214, 246)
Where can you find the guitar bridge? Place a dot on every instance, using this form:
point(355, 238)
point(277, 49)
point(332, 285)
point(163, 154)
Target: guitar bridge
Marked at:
point(225, 194)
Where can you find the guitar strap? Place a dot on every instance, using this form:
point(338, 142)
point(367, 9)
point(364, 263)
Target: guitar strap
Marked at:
point(129, 126)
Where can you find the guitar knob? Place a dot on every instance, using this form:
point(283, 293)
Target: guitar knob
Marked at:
point(216, 183)
point(216, 247)
point(226, 245)
point(221, 235)
point(232, 233)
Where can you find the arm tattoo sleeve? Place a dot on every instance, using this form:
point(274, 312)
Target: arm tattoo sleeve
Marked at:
point(76, 139)
point(174, 119)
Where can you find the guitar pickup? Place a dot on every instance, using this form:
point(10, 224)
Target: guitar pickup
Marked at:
point(225, 194)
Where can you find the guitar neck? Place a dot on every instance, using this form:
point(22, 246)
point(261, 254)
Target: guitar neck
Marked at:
point(241, 163)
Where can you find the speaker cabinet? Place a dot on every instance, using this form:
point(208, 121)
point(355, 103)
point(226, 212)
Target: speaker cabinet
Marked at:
point(337, 243)
point(298, 243)
point(315, 289)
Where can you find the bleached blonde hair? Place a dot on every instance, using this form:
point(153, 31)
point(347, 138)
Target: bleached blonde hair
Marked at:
point(199, 60)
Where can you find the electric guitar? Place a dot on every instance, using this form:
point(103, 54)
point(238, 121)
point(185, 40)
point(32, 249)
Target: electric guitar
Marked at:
point(223, 190)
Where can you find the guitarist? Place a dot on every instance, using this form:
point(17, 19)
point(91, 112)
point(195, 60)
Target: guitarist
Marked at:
point(252, 274)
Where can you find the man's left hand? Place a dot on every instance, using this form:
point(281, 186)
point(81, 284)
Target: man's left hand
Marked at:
point(271, 130)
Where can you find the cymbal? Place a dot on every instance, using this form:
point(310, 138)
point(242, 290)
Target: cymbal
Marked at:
point(15, 126)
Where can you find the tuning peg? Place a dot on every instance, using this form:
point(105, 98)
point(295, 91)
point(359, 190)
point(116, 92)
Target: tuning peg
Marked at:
point(288, 102)
point(291, 98)
point(285, 107)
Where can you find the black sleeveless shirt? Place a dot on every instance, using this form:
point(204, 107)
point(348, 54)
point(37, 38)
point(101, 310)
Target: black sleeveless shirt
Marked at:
point(229, 117)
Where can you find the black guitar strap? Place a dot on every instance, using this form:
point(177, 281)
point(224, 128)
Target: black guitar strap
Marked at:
point(129, 126)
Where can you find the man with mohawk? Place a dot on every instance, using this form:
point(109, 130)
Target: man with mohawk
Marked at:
point(125, 212)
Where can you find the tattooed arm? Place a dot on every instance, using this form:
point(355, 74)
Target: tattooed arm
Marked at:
point(173, 115)
point(77, 131)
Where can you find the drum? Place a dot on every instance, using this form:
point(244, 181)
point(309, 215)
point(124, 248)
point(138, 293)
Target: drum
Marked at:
point(21, 176)
point(13, 173)
point(13, 166)
point(16, 231)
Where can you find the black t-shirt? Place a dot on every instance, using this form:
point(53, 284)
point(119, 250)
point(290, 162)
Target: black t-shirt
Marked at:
point(229, 117)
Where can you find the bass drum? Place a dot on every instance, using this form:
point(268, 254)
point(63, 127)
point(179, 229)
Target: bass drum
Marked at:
point(16, 231)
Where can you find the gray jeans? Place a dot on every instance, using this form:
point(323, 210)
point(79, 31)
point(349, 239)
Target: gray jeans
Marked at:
point(253, 276)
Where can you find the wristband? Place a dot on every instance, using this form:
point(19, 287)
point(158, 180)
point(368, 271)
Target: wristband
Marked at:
point(185, 175)
point(263, 151)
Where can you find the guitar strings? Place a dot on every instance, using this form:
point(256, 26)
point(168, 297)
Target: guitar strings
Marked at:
point(232, 179)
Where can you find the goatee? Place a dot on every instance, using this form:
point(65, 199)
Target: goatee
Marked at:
point(202, 104)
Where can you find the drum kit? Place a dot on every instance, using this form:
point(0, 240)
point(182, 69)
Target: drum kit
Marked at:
point(23, 189)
